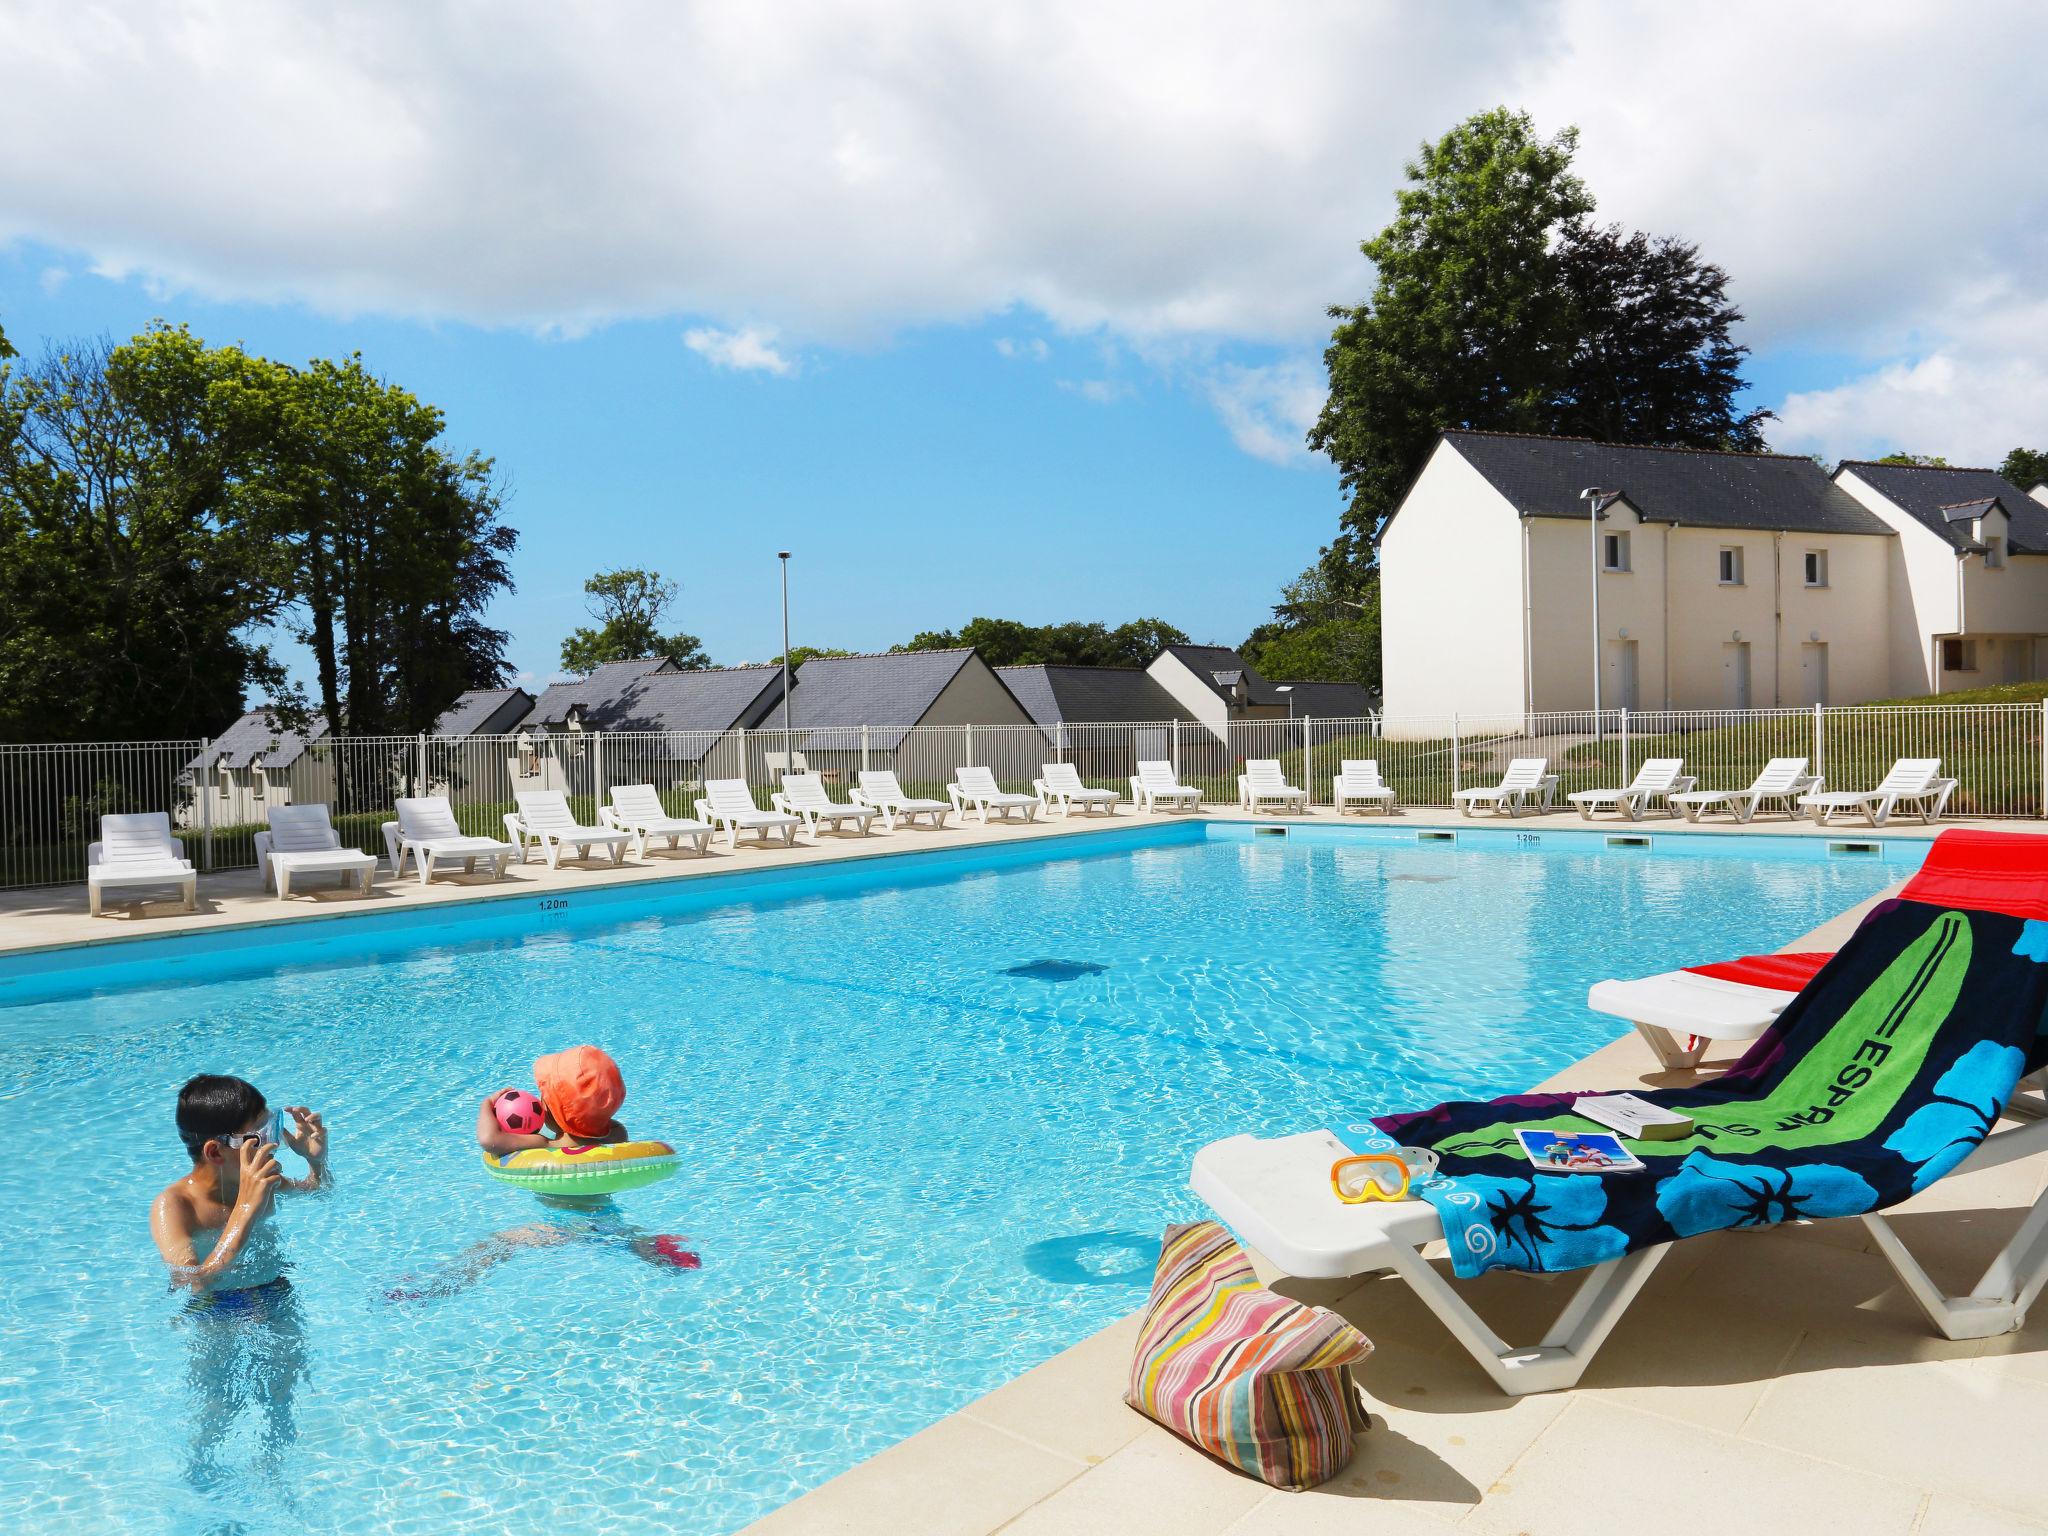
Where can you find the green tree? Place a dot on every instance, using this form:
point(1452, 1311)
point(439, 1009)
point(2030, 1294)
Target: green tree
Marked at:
point(2026, 467)
point(1922, 460)
point(1079, 642)
point(799, 654)
point(629, 605)
point(1319, 633)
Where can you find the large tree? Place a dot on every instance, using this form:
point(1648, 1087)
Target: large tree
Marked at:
point(1079, 642)
point(629, 605)
point(2026, 467)
point(1319, 633)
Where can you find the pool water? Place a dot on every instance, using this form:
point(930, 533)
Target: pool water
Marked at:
point(934, 1116)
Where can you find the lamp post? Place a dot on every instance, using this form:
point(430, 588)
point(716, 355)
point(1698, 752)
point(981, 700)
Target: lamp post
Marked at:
point(1596, 500)
point(783, 556)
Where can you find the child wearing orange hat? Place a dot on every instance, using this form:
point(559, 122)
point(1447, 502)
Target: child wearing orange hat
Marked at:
point(580, 1093)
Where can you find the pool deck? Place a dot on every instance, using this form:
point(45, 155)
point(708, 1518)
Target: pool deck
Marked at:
point(1762, 1382)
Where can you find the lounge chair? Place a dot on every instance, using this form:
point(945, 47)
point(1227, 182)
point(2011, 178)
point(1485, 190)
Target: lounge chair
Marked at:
point(729, 806)
point(637, 808)
point(803, 794)
point(1827, 1115)
point(136, 848)
point(1782, 782)
point(1359, 780)
point(302, 841)
point(1262, 781)
point(1154, 785)
point(1914, 784)
point(1658, 779)
point(977, 787)
point(1060, 784)
point(426, 830)
point(879, 790)
point(544, 818)
point(1528, 782)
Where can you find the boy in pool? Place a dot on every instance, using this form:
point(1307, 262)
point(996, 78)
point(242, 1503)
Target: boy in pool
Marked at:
point(581, 1091)
point(212, 1226)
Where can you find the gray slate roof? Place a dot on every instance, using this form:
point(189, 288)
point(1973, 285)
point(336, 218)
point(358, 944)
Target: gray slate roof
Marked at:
point(1542, 477)
point(1052, 695)
point(254, 736)
point(478, 707)
point(713, 700)
point(834, 696)
point(1328, 701)
point(1927, 494)
point(1219, 666)
point(605, 682)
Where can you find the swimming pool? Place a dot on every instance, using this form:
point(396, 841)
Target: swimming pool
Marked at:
point(937, 1106)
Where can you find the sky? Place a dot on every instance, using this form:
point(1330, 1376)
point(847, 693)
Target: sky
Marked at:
point(1011, 309)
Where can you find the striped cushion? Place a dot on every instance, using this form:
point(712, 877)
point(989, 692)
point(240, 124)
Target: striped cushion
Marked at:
point(1252, 1378)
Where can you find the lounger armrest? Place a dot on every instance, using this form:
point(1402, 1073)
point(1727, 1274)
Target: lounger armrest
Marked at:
point(780, 801)
point(608, 816)
point(94, 852)
point(1684, 784)
point(704, 811)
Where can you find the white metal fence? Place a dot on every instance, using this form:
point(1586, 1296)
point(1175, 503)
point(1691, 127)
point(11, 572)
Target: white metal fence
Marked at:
point(51, 797)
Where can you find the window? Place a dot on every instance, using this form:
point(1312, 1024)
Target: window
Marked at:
point(1731, 566)
point(1958, 655)
point(256, 781)
point(227, 782)
point(1994, 554)
point(1614, 552)
point(1816, 567)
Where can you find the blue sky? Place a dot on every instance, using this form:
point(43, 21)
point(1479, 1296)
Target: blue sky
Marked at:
point(1011, 309)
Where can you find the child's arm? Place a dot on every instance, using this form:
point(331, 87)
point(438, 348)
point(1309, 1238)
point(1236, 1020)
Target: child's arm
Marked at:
point(171, 1223)
point(494, 1138)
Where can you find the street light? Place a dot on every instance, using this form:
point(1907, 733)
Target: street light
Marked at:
point(1596, 501)
point(783, 556)
point(1288, 689)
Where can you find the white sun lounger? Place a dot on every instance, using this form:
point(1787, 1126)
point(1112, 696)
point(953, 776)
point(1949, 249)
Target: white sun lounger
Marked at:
point(1527, 782)
point(1914, 784)
point(135, 849)
point(1657, 779)
point(729, 806)
point(1262, 781)
point(1359, 779)
point(302, 841)
point(1275, 1195)
point(977, 787)
point(1154, 784)
point(1060, 784)
point(879, 790)
point(426, 830)
point(803, 794)
point(1782, 782)
point(544, 818)
point(637, 808)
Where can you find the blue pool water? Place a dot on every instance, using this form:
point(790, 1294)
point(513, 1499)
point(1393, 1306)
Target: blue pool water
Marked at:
point(936, 1111)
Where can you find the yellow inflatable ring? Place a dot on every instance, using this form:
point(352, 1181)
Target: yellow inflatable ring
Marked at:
point(599, 1170)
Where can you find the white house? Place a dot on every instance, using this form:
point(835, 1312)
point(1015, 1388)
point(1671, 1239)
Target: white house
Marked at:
point(1969, 574)
point(254, 764)
point(1726, 581)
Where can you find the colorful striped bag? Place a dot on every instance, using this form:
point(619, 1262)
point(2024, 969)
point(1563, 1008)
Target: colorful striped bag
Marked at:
point(1252, 1378)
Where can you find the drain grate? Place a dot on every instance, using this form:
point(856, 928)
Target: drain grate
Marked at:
point(1424, 879)
point(1056, 970)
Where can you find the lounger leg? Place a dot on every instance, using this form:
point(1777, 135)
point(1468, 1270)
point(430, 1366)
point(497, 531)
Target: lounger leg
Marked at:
point(1673, 1056)
point(2000, 1300)
point(192, 894)
point(1567, 1349)
point(283, 878)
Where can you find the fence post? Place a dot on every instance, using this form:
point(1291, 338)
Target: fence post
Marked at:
point(1627, 769)
point(596, 771)
point(1820, 762)
point(420, 782)
point(206, 803)
point(968, 760)
point(1059, 741)
point(1457, 754)
point(739, 741)
point(2044, 757)
point(864, 765)
point(1176, 747)
point(1308, 756)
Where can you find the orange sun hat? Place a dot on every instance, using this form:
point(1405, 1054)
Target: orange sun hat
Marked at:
point(581, 1088)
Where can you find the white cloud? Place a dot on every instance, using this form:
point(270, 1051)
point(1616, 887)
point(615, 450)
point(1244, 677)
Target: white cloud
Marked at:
point(1269, 410)
point(52, 278)
point(749, 351)
point(1033, 349)
point(1098, 391)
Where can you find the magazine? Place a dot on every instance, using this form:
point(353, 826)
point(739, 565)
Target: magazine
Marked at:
point(1577, 1152)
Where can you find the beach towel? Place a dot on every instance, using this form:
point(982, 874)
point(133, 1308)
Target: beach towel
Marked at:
point(1881, 1075)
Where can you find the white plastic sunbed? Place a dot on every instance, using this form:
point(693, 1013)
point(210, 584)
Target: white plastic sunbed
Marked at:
point(1060, 784)
point(544, 818)
point(1275, 1195)
point(427, 830)
point(1657, 779)
point(1527, 782)
point(637, 808)
point(1359, 779)
point(803, 794)
point(1154, 785)
point(1914, 784)
point(729, 806)
point(1262, 781)
point(879, 790)
point(977, 787)
point(302, 841)
point(136, 848)
point(1783, 781)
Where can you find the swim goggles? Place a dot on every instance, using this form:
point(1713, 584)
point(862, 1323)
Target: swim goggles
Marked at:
point(1380, 1175)
point(266, 1133)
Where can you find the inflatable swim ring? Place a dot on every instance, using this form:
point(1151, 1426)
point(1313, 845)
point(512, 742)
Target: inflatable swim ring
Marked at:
point(600, 1170)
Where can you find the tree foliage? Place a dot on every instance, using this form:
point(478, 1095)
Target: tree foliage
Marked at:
point(1318, 632)
point(1083, 643)
point(799, 654)
point(629, 605)
point(2026, 467)
point(1919, 460)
